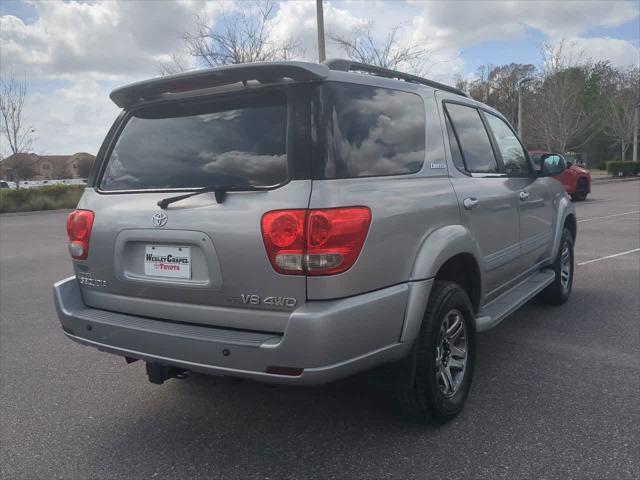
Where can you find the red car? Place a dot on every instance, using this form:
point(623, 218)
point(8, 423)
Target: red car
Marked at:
point(576, 180)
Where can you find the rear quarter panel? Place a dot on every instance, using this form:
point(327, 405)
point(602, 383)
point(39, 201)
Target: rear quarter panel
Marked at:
point(405, 210)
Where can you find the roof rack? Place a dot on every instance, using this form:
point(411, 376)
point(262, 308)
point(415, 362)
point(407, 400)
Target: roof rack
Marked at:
point(351, 66)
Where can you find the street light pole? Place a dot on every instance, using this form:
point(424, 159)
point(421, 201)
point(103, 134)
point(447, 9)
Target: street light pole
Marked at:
point(635, 133)
point(322, 56)
point(520, 83)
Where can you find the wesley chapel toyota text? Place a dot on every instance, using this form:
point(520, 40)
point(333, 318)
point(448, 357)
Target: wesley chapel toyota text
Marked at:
point(297, 223)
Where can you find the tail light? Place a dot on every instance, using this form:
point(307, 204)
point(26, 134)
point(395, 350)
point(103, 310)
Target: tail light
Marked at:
point(79, 224)
point(315, 242)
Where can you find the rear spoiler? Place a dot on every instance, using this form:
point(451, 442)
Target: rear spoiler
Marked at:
point(263, 72)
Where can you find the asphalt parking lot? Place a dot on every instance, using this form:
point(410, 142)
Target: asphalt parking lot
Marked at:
point(555, 395)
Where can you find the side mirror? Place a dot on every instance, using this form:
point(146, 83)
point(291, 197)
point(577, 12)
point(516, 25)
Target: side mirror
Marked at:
point(552, 164)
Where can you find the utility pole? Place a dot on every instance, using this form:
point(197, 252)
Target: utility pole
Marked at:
point(520, 83)
point(322, 56)
point(635, 133)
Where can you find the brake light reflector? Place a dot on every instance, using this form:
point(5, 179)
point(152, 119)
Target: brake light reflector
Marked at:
point(315, 242)
point(79, 225)
point(283, 235)
point(335, 238)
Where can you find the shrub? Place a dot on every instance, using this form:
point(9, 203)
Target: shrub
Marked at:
point(624, 169)
point(42, 198)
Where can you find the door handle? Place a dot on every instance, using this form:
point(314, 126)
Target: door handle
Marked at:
point(470, 202)
point(524, 196)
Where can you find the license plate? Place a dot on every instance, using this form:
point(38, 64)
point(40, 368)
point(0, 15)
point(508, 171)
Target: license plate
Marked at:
point(165, 261)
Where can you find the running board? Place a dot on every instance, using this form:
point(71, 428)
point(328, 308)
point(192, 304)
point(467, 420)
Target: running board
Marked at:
point(507, 303)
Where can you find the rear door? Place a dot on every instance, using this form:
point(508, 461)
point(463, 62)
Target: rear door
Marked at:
point(487, 197)
point(200, 261)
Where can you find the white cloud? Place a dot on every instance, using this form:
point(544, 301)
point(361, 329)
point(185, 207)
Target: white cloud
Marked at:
point(71, 119)
point(619, 52)
point(297, 20)
point(460, 24)
point(103, 39)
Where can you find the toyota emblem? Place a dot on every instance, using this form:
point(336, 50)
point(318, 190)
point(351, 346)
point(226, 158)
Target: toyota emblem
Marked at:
point(159, 219)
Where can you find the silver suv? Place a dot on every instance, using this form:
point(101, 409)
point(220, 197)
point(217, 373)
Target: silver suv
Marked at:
point(297, 223)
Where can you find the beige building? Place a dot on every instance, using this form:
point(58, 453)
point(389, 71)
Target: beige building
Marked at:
point(46, 167)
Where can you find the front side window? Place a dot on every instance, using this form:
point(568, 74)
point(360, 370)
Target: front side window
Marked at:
point(369, 131)
point(474, 141)
point(513, 156)
point(237, 141)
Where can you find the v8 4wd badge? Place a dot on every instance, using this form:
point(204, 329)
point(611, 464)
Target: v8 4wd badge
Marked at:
point(249, 299)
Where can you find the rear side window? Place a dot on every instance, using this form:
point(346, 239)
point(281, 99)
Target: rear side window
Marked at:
point(456, 154)
point(241, 141)
point(368, 131)
point(476, 147)
point(513, 156)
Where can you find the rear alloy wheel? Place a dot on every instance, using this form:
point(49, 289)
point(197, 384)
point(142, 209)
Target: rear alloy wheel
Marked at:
point(558, 292)
point(582, 190)
point(451, 353)
point(442, 359)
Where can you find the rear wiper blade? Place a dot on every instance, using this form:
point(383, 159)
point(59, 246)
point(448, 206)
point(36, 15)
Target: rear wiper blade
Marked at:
point(220, 192)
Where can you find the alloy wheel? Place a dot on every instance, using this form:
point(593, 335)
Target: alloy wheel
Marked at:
point(565, 266)
point(451, 353)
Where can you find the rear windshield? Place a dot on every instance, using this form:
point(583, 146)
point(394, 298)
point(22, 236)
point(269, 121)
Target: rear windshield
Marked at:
point(235, 141)
point(368, 131)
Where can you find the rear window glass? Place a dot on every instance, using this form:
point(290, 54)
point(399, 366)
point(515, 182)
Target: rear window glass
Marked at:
point(238, 141)
point(369, 131)
point(474, 140)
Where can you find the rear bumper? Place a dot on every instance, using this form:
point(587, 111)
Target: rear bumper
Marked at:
point(328, 339)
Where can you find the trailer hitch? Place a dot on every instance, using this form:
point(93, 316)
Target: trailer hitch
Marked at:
point(158, 373)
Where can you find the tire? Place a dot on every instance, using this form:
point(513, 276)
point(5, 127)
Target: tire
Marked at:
point(559, 291)
point(581, 191)
point(432, 396)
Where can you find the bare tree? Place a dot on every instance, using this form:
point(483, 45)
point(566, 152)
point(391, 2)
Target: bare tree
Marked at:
point(622, 96)
point(559, 116)
point(362, 46)
point(14, 129)
point(13, 94)
point(175, 65)
point(242, 36)
point(504, 84)
point(481, 88)
point(478, 88)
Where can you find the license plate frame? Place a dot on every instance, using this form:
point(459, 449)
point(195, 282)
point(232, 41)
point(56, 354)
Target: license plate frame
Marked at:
point(167, 261)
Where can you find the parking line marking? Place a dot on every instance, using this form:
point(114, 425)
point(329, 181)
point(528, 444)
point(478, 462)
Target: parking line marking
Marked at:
point(610, 256)
point(608, 216)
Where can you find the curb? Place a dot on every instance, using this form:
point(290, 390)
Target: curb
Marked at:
point(35, 212)
point(614, 180)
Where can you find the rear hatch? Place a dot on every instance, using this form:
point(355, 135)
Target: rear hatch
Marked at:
point(199, 260)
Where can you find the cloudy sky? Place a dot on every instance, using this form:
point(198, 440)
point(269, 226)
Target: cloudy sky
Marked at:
point(75, 52)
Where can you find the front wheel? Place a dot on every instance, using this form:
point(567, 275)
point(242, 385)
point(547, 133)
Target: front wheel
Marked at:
point(443, 357)
point(558, 292)
point(582, 190)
